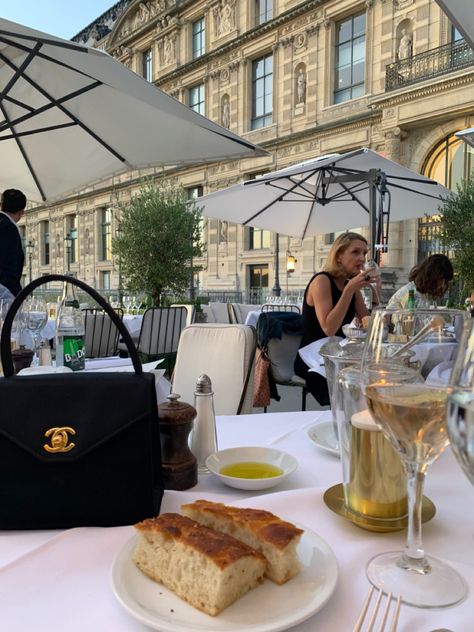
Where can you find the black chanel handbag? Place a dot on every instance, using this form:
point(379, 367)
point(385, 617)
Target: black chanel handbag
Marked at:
point(77, 449)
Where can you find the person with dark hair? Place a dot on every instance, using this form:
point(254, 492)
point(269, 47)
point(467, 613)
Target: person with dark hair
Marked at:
point(12, 258)
point(429, 280)
point(332, 299)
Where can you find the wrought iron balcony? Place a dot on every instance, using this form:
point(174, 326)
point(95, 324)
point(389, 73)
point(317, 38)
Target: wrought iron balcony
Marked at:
point(432, 63)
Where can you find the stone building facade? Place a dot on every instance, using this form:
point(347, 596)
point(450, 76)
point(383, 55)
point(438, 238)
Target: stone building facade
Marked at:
point(299, 78)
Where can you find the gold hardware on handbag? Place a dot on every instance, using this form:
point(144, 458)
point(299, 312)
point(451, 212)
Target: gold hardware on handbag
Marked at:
point(59, 439)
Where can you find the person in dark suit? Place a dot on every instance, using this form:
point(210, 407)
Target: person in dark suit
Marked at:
point(12, 258)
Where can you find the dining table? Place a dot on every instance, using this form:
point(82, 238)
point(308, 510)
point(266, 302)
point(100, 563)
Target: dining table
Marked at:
point(61, 580)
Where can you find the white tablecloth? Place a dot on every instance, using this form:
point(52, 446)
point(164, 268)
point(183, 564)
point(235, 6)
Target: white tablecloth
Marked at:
point(132, 322)
point(56, 581)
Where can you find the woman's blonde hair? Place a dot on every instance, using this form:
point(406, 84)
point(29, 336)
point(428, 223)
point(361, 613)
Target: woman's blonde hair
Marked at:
point(340, 244)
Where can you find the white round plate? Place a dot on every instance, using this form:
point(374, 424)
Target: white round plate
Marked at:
point(267, 608)
point(322, 434)
point(272, 456)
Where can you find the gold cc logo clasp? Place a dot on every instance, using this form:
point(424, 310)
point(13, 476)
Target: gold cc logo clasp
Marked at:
point(59, 439)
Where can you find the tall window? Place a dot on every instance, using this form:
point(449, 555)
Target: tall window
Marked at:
point(350, 59)
point(44, 253)
point(194, 193)
point(263, 11)
point(450, 162)
point(105, 280)
point(262, 92)
point(71, 229)
point(105, 234)
point(199, 38)
point(258, 238)
point(147, 64)
point(197, 99)
point(258, 276)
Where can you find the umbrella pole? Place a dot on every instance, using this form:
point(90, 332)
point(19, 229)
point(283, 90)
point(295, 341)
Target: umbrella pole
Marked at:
point(276, 290)
point(372, 177)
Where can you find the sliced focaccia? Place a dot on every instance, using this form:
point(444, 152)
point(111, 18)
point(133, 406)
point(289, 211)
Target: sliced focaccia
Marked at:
point(274, 538)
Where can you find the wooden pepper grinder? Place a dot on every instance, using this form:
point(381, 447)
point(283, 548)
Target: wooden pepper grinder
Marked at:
point(179, 465)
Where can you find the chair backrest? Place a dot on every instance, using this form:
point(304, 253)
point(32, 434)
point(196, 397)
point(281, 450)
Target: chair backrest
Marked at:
point(226, 353)
point(280, 333)
point(101, 335)
point(160, 330)
point(190, 309)
point(282, 354)
point(220, 312)
point(210, 318)
point(275, 307)
point(238, 312)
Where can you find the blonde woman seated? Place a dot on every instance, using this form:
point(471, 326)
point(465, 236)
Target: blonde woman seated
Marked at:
point(332, 299)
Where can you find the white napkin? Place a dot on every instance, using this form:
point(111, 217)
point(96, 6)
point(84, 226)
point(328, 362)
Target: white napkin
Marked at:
point(311, 356)
point(39, 370)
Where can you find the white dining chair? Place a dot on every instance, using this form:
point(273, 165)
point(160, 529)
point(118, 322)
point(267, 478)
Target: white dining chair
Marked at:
point(226, 353)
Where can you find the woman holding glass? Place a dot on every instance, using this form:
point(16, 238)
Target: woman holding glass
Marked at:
point(332, 299)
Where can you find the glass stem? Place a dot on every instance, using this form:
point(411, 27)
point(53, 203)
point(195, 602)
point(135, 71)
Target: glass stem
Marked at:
point(413, 557)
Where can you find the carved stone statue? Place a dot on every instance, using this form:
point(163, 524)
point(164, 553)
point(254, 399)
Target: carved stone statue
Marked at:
point(223, 231)
point(142, 14)
point(168, 50)
point(405, 47)
point(225, 17)
point(301, 86)
point(225, 112)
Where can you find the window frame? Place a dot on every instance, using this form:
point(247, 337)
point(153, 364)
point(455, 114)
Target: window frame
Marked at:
point(45, 243)
point(105, 233)
point(261, 82)
point(337, 46)
point(147, 64)
point(198, 106)
point(198, 38)
point(263, 11)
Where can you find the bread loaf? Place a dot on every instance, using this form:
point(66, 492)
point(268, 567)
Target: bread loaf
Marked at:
point(207, 568)
point(275, 539)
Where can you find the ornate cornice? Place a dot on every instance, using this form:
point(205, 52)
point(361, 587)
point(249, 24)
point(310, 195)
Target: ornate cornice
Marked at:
point(103, 25)
point(421, 91)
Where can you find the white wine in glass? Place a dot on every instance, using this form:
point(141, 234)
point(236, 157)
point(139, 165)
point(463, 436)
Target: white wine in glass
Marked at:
point(412, 415)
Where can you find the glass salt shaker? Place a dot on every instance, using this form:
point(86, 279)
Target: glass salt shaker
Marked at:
point(204, 435)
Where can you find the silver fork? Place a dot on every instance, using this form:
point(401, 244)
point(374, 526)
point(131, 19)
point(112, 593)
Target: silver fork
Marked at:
point(373, 615)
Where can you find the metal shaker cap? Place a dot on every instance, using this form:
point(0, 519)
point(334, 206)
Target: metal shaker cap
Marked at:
point(204, 385)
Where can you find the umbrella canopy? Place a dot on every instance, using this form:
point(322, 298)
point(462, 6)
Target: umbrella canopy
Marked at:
point(467, 135)
point(327, 194)
point(461, 14)
point(71, 115)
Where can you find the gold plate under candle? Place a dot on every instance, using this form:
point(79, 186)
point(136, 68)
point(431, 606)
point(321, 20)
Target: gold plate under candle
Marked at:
point(334, 499)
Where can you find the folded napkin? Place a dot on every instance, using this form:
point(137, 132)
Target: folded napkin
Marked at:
point(311, 356)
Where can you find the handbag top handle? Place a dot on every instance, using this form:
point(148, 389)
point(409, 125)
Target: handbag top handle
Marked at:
point(5, 347)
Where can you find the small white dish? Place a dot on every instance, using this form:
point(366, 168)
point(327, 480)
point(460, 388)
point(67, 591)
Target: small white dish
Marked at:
point(215, 462)
point(267, 608)
point(322, 434)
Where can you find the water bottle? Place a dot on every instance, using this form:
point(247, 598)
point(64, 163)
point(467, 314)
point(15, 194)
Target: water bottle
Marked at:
point(70, 348)
point(204, 435)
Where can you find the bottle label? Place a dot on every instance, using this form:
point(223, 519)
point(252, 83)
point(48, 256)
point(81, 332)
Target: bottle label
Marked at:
point(74, 352)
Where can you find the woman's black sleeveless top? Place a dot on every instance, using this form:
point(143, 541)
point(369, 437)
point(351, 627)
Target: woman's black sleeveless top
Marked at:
point(312, 330)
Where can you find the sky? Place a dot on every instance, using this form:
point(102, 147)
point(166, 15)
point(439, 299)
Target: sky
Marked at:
point(63, 18)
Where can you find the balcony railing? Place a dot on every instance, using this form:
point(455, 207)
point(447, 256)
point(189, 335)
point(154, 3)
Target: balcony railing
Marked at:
point(432, 63)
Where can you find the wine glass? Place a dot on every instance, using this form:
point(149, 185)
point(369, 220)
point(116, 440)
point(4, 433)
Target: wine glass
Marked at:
point(34, 316)
point(373, 276)
point(461, 403)
point(411, 412)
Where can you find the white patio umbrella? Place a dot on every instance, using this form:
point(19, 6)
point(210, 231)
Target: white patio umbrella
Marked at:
point(461, 14)
point(71, 116)
point(330, 193)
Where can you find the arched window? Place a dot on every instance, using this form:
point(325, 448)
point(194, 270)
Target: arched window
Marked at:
point(449, 163)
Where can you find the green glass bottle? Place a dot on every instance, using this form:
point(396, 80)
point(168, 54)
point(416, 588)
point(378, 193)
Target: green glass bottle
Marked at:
point(70, 347)
point(410, 304)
